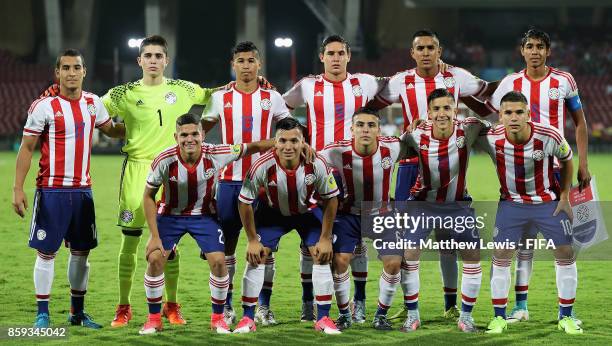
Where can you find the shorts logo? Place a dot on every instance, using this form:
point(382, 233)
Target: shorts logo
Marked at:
point(334, 238)
point(553, 93)
point(386, 163)
point(209, 173)
point(170, 98)
point(266, 104)
point(236, 149)
point(495, 232)
point(91, 109)
point(537, 155)
point(449, 82)
point(126, 216)
point(259, 237)
point(357, 91)
point(309, 179)
point(460, 142)
point(41, 234)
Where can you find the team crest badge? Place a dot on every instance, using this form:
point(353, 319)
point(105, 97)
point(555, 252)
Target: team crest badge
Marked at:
point(91, 109)
point(209, 173)
point(357, 91)
point(553, 93)
point(170, 98)
point(386, 163)
point(126, 216)
point(309, 179)
point(266, 104)
point(537, 155)
point(460, 142)
point(236, 149)
point(449, 82)
point(41, 234)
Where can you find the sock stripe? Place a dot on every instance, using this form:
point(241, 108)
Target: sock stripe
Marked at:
point(501, 262)
point(499, 302)
point(217, 301)
point(155, 300)
point(525, 257)
point(305, 252)
point(383, 306)
point(565, 262)
point(249, 300)
point(270, 260)
point(43, 297)
point(521, 289)
point(563, 301)
point(411, 298)
point(360, 275)
point(45, 256)
point(338, 278)
point(77, 293)
point(392, 279)
point(449, 290)
point(306, 277)
point(468, 300)
point(218, 285)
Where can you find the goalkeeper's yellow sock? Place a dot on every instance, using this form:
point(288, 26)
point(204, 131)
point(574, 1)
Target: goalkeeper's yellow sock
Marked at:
point(171, 272)
point(127, 265)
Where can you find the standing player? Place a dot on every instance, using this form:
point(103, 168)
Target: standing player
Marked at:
point(550, 93)
point(365, 164)
point(63, 204)
point(331, 99)
point(245, 113)
point(188, 173)
point(289, 184)
point(443, 146)
point(149, 107)
point(523, 153)
point(411, 88)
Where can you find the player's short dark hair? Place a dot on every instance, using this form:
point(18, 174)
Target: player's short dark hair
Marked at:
point(155, 40)
point(244, 46)
point(334, 38)
point(438, 93)
point(288, 124)
point(69, 52)
point(536, 34)
point(188, 118)
point(366, 110)
point(425, 33)
point(514, 96)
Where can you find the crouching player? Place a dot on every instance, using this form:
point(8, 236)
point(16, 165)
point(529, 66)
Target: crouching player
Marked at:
point(188, 173)
point(365, 164)
point(443, 146)
point(523, 153)
point(289, 185)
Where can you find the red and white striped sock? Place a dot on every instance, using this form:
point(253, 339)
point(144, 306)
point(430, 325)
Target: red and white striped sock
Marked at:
point(154, 290)
point(252, 282)
point(44, 269)
point(500, 285)
point(411, 284)
point(218, 291)
point(387, 285)
point(342, 287)
point(567, 281)
point(471, 280)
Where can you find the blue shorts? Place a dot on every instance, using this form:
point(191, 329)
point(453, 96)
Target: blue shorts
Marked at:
point(532, 233)
point(407, 174)
point(227, 208)
point(63, 214)
point(462, 215)
point(347, 233)
point(203, 228)
point(271, 225)
point(513, 220)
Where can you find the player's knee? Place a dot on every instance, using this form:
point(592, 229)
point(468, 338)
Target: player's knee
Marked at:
point(412, 255)
point(217, 265)
point(470, 255)
point(155, 260)
point(131, 232)
point(564, 252)
point(392, 266)
point(341, 262)
point(503, 253)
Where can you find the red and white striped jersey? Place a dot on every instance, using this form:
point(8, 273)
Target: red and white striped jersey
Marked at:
point(525, 171)
point(244, 118)
point(330, 105)
point(546, 97)
point(66, 128)
point(443, 162)
point(364, 178)
point(289, 191)
point(189, 190)
point(412, 90)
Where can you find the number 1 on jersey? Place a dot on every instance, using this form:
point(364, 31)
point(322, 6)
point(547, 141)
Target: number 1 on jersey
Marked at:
point(160, 117)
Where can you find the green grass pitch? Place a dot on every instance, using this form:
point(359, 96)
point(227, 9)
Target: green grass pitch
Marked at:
point(18, 306)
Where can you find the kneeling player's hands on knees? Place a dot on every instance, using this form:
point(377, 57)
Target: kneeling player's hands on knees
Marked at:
point(565, 206)
point(153, 245)
point(255, 251)
point(323, 250)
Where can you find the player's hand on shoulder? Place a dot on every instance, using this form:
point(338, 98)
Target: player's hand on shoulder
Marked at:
point(324, 250)
point(308, 153)
point(264, 83)
point(153, 245)
point(255, 252)
point(444, 66)
point(414, 124)
point(52, 90)
point(20, 202)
